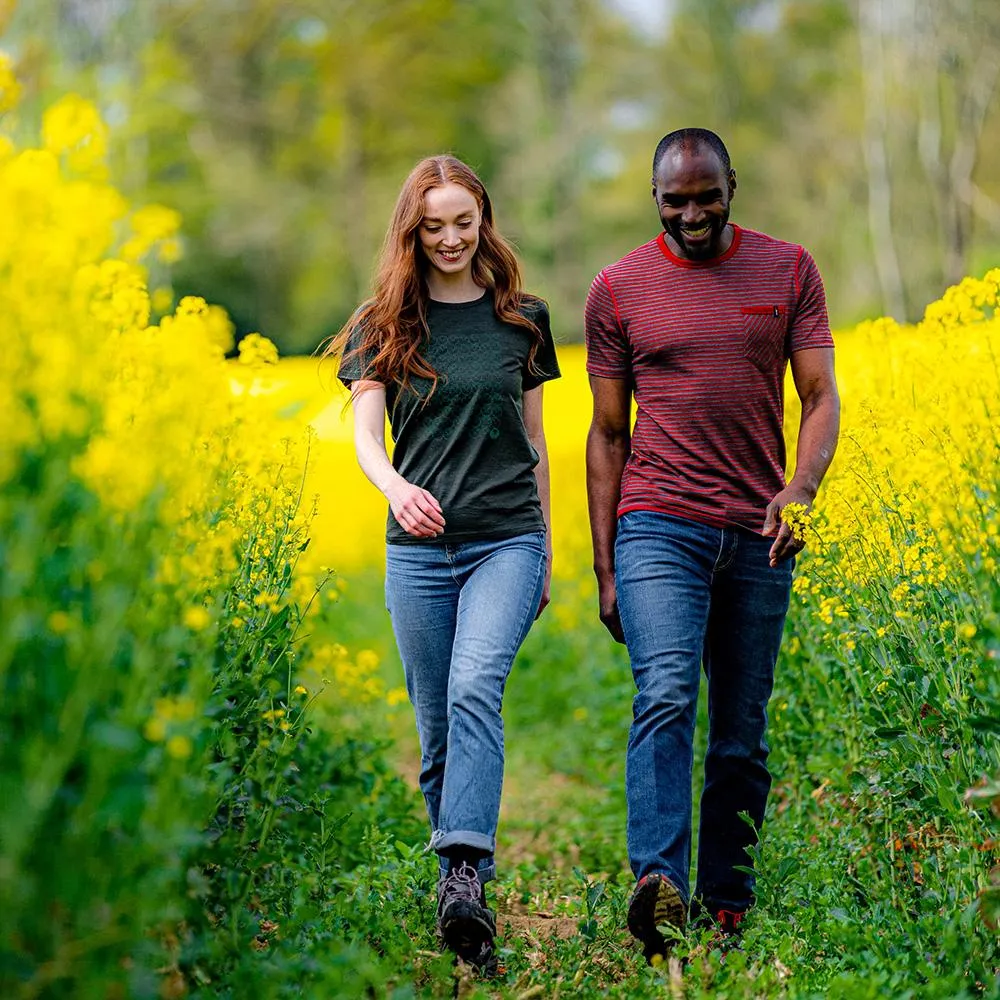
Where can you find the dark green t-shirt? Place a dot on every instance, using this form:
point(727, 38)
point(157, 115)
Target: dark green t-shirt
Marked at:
point(467, 444)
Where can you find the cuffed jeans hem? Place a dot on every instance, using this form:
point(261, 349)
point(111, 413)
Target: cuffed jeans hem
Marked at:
point(486, 867)
point(466, 838)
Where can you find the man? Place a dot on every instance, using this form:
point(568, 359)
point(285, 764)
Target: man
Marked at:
point(693, 561)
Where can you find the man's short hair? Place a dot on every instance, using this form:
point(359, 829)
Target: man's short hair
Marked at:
point(692, 138)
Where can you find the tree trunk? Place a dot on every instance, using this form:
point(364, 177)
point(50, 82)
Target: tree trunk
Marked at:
point(870, 36)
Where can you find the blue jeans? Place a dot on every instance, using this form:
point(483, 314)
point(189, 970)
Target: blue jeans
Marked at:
point(460, 612)
point(691, 595)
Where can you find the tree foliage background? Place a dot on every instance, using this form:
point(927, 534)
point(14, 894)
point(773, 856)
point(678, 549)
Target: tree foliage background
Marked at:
point(282, 129)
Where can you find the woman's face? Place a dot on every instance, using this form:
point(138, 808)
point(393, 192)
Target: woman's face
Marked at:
point(449, 230)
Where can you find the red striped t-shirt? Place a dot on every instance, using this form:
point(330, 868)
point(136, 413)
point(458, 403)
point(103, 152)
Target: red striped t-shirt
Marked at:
point(704, 345)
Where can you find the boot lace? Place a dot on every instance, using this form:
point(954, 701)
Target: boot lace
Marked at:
point(461, 883)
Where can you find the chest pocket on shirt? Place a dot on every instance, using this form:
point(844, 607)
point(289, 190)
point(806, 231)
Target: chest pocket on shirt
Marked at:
point(764, 336)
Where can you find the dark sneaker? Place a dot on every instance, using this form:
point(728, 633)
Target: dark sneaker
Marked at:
point(727, 930)
point(728, 922)
point(655, 903)
point(726, 926)
point(466, 926)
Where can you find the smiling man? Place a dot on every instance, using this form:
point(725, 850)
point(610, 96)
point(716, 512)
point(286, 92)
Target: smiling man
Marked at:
point(693, 560)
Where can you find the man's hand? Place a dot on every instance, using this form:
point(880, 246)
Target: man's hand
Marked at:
point(785, 544)
point(608, 599)
point(416, 511)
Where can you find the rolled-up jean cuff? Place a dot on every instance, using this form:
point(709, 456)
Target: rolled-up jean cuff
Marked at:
point(440, 840)
point(486, 867)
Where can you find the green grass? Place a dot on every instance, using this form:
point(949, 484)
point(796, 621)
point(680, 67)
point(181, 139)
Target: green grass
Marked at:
point(866, 886)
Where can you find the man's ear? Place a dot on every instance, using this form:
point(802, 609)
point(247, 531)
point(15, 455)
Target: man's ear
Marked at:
point(732, 183)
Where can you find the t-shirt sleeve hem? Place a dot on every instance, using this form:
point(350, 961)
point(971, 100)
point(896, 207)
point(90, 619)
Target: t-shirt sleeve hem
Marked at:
point(348, 378)
point(605, 371)
point(534, 381)
point(824, 340)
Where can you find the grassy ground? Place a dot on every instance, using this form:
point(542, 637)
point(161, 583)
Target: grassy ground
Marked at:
point(840, 911)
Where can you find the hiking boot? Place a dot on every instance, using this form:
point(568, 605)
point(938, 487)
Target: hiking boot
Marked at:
point(465, 925)
point(655, 903)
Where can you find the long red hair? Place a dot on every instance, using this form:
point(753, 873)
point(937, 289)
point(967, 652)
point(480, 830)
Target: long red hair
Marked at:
point(394, 320)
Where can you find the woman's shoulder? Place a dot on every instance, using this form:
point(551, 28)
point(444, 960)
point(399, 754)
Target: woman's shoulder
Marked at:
point(533, 307)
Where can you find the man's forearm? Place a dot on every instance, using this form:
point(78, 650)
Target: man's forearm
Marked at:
point(818, 433)
point(607, 454)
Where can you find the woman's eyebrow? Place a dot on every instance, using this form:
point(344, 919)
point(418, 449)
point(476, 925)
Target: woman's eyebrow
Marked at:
point(434, 218)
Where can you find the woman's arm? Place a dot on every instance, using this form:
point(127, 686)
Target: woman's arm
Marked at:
point(532, 408)
point(416, 511)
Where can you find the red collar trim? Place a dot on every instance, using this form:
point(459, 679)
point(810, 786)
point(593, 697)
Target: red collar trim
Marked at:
point(661, 242)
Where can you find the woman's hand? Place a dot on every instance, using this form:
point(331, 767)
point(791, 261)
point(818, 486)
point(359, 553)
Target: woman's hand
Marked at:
point(546, 587)
point(546, 596)
point(416, 511)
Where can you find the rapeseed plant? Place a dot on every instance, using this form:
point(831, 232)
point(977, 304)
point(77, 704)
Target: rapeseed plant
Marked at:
point(154, 753)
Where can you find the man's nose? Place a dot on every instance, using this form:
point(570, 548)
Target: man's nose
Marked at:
point(691, 213)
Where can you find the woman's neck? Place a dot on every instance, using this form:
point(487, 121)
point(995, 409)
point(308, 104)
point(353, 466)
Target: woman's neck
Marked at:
point(461, 289)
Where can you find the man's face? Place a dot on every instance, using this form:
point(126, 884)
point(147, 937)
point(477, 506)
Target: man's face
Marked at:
point(692, 193)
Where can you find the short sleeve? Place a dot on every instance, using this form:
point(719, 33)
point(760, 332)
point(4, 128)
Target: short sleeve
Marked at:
point(810, 325)
point(608, 353)
point(356, 362)
point(545, 366)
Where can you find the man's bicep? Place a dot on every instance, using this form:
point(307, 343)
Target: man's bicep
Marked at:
point(612, 402)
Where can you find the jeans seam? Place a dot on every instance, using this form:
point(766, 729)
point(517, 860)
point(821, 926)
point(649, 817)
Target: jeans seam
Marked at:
point(732, 552)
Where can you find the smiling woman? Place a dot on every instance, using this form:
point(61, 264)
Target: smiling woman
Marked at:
point(449, 235)
point(457, 354)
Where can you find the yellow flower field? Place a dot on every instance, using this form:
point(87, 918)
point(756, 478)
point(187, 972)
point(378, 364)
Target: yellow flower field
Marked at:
point(918, 434)
point(168, 517)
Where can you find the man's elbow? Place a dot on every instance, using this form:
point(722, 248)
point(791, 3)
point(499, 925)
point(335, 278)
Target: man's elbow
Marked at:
point(824, 399)
point(611, 435)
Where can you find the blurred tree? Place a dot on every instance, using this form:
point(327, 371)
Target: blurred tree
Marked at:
point(959, 42)
point(871, 31)
point(283, 129)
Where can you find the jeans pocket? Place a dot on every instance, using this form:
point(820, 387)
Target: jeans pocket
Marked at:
point(764, 330)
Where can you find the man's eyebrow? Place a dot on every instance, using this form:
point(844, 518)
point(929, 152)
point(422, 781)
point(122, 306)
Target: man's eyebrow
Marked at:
point(701, 194)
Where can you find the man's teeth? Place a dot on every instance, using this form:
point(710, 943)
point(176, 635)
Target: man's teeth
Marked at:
point(696, 232)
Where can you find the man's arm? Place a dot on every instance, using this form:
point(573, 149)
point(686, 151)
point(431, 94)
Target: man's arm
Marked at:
point(816, 384)
point(608, 445)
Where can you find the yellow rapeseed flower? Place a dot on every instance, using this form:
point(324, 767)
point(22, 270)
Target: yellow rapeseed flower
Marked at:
point(197, 618)
point(59, 622)
point(179, 747)
point(396, 696)
point(10, 89)
point(155, 729)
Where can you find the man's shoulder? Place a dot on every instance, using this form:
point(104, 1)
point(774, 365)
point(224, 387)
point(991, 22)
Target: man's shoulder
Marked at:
point(763, 244)
point(635, 262)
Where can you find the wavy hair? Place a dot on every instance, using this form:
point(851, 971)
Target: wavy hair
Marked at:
point(394, 320)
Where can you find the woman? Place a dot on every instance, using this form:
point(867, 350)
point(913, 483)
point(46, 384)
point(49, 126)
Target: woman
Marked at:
point(457, 354)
